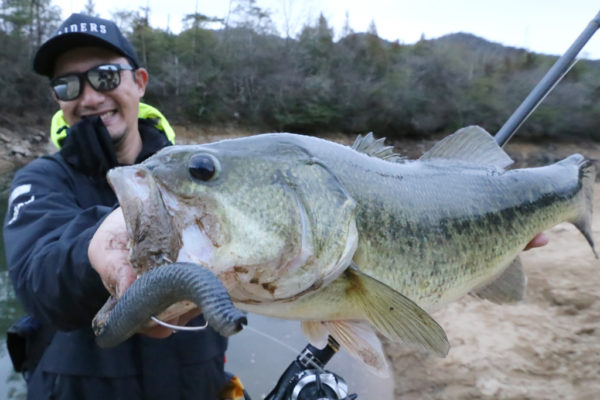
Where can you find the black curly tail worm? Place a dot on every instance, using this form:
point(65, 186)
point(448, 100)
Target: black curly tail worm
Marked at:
point(161, 287)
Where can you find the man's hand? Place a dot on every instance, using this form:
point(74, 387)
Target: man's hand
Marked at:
point(109, 256)
point(538, 241)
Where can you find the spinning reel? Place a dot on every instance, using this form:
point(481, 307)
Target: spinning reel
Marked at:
point(306, 379)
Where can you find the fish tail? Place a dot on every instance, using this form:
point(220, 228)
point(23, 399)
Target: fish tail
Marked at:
point(587, 177)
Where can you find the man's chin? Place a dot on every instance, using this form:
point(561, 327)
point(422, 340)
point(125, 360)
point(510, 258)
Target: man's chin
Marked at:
point(117, 137)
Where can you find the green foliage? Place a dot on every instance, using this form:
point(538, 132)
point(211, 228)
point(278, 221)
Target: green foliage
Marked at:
point(32, 20)
point(23, 25)
point(246, 14)
point(90, 8)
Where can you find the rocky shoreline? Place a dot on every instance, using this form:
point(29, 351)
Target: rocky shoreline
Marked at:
point(22, 145)
point(17, 149)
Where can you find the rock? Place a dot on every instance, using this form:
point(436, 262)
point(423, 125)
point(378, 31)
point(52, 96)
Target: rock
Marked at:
point(19, 150)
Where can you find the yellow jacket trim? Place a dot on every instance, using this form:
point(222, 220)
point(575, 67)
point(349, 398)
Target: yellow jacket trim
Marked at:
point(58, 126)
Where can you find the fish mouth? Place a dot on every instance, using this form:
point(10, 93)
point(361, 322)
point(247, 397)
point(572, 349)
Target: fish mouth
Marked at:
point(153, 238)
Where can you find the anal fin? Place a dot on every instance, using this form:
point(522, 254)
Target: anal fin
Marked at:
point(509, 287)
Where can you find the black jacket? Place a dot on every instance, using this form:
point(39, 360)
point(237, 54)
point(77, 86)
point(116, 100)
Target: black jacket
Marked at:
point(54, 210)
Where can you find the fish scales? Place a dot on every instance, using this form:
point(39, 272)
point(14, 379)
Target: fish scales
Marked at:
point(443, 225)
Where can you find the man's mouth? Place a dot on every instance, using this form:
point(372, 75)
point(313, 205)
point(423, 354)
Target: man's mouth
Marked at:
point(104, 116)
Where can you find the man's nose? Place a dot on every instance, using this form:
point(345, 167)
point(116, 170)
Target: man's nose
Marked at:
point(90, 96)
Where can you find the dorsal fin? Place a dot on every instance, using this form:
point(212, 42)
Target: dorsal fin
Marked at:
point(375, 148)
point(473, 144)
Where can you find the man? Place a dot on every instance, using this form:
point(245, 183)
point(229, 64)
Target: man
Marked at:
point(65, 235)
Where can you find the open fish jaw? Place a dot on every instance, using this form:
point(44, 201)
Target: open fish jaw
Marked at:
point(153, 240)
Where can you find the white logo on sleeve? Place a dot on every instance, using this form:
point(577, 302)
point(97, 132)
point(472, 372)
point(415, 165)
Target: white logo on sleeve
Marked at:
point(19, 198)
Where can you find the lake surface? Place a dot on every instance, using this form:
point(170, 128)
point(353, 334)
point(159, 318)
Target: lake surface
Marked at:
point(258, 355)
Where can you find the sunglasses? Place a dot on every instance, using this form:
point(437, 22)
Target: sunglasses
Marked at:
point(102, 78)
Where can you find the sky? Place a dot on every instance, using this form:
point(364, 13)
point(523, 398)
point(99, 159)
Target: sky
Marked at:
point(541, 26)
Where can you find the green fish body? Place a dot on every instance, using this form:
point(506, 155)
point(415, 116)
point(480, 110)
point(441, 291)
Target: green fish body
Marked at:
point(350, 238)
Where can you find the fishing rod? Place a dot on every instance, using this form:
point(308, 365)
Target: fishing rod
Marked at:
point(305, 378)
point(560, 68)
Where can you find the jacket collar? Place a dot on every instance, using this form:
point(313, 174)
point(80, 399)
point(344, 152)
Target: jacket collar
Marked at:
point(91, 151)
point(152, 139)
point(59, 126)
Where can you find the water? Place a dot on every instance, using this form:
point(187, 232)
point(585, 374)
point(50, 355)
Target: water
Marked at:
point(259, 359)
point(258, 355)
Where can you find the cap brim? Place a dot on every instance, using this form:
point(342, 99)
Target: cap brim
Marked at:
point(45, 58)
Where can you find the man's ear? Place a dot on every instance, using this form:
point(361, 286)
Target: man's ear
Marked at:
point(141, 80)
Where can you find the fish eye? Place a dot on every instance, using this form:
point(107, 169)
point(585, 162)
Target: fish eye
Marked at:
point(203, 167)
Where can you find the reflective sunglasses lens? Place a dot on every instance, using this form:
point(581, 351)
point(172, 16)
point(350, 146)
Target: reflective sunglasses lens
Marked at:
point(67, 87)
point(103, 78)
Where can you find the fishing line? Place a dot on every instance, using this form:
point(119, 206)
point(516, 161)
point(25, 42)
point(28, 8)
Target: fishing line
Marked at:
point(308, 360)
point(266, 335)
point(252, 329)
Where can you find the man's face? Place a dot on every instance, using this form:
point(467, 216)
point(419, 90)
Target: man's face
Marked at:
point(118, 108)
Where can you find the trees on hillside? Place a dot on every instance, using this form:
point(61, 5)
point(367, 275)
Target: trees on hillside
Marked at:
point(24, 25)
point(238, 69)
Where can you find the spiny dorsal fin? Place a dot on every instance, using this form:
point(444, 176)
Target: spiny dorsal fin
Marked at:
point(473, 144)
point(375, 148)
point(509, 287)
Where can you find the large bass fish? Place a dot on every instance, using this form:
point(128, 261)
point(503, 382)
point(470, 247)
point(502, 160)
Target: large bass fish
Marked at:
point(347, 239)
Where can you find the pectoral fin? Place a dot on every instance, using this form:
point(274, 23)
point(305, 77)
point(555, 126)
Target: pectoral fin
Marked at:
point(349, 304)
point(393, 314)
point(509, 287)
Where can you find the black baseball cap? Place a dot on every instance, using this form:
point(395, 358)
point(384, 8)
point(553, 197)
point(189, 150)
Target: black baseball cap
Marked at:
point(82, 30)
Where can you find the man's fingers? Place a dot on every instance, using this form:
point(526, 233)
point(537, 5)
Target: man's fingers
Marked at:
point(109, 255)
point(538, 241)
